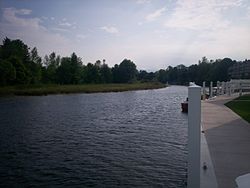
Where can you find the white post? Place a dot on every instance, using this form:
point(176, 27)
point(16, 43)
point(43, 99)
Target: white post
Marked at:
point(218, 88)
point(204, 90)
point(194, 131)
point(223, 88)
point(226, 87)
point(240, 89)
point(232, 86)
point(211, 90)
point(229, 88)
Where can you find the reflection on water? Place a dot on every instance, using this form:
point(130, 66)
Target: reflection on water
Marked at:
point(127, 139)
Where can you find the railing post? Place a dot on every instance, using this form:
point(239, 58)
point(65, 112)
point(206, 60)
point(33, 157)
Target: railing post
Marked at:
point(204, 90)
point(232, 87)
point(211, 90)
point(218, 88)
point(223, 88)
point(240, 92)
point(194, 131)
point(226, 87)
point(229, 88)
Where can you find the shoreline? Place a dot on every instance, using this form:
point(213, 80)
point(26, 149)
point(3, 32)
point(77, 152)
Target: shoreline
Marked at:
point(39, 90)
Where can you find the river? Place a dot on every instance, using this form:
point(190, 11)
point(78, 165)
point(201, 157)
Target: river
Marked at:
point(124, 139)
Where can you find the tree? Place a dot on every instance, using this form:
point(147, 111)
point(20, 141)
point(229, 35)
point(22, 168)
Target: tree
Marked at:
point(75, 70)
point(105, 74)
point(17, 48)
point(64, 71)
point(22, 74)
point(91, 74)
point(162, 76)
point(7, 73)
point(35, 66)
point(34, 57)
point(182, 76)
point(51, 63)
point(127, 71)
point(116, 74)
point(193, 73)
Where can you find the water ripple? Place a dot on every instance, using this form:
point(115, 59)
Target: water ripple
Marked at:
point(127, 139)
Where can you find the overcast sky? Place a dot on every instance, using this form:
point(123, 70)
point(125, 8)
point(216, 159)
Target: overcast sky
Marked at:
point(152, 33)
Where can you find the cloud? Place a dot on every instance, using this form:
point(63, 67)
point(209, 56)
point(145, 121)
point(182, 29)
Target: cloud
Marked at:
point(66, 24)
point(199, 15)
point(32, 32)
point(208, 29)
point(142, 1)
point(24, 11)
point(60, 29)
point(248, 12)
point(45, 17)
point(80, 36)
point(153, 16)
point(11, 16)
point(111, 29)
point(222, 43)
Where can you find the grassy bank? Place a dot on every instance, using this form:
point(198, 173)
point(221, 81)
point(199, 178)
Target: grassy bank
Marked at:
point(241, 106)
point(86, 88)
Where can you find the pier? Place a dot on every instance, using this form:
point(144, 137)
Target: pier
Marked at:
point(224, 140)
point(228, 139)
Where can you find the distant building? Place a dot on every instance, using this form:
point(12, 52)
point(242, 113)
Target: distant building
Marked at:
point(240, 70)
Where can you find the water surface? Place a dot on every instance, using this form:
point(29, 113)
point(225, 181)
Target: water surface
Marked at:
point(126, 139)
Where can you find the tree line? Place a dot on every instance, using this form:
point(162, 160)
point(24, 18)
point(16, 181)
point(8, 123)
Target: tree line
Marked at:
point(20, 65)
point(205, 70)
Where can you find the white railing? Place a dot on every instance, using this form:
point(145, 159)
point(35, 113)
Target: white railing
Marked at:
point(194, 122)
point(228, 88)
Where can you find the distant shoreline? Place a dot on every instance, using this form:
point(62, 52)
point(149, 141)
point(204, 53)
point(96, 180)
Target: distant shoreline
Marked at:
point(37, 90)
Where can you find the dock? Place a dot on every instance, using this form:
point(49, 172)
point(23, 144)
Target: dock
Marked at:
point(225, 144)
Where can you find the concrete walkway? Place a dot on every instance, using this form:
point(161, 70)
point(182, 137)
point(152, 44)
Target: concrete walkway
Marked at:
point(228, 139)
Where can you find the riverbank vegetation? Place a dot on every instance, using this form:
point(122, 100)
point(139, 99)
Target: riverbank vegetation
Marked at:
point(22, 66)
point(241, 106)
point(85, 88)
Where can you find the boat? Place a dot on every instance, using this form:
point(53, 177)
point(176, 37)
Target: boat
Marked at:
point(184, 106)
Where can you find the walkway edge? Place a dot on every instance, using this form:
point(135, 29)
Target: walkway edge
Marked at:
point(208, 178)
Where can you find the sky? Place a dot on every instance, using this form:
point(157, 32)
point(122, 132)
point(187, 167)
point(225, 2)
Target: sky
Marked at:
point(154, 34)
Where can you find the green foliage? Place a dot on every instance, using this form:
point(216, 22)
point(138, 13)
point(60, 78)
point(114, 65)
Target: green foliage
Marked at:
point(144, 76)
point(51, 62)
point(91, 74)
point(85, 88)
point(18, 65)
point(105, 74)
point(23, 76)
point(219, 69)
point(125, 72)
point(25, 66)
point(14, 48)
point(64, 71)
point(115, 73)
point(7, 72)
point(205, 70)
point(75, 69)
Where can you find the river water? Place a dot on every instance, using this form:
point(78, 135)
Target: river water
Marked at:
point(126, 139)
